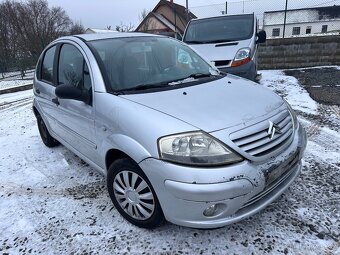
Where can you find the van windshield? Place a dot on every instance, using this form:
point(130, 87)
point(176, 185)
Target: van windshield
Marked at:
point(220, 29)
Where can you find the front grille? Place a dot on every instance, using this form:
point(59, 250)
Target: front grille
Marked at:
point(222, 62)
point(255, 139)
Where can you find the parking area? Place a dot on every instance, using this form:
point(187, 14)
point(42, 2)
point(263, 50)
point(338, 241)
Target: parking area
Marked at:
point(51, 202)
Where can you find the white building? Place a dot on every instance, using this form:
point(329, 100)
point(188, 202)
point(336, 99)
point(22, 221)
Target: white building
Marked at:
point(301, 22)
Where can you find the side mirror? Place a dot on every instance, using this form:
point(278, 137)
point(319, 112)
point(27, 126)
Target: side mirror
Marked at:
point(65, 91)
point(261, 36)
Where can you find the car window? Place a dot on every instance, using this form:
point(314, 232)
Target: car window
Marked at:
point(72, 68)
point(141, 61)
point(47, 65)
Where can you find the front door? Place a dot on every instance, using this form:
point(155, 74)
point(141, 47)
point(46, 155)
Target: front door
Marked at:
point(75, 123)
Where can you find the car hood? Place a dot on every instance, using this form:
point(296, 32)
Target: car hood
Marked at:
point(220, 51)
point(214, 105)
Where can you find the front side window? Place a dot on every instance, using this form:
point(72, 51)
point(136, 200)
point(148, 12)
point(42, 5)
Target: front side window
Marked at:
point(47, 65)
point(73, 70)
point(70, 69)
point(296, 30)
point(221, 29)
point(148, 61)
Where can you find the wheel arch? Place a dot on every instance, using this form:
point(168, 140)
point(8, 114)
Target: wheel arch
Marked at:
point(119, 146)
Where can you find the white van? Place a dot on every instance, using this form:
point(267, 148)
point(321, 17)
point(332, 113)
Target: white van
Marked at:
point(228, 41)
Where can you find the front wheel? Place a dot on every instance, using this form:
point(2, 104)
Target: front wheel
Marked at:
point(132, 194)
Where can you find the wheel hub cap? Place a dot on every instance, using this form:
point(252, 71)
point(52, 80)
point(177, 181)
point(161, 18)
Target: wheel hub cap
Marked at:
point(134, 195)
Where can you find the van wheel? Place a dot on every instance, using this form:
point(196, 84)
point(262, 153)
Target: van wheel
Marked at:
point(132, 194)
point(47, 139)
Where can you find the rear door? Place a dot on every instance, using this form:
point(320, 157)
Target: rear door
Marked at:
point(44, 87)
point(75, 123)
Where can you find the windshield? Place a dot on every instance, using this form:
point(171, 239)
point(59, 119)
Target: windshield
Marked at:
point(220, 29)
point(146, 62)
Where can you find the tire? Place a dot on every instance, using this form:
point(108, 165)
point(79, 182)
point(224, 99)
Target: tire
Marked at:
point(47, 139)
point(132, 194)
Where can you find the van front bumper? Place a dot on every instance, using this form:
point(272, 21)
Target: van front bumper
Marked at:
point(247, 70)
point(236, 191)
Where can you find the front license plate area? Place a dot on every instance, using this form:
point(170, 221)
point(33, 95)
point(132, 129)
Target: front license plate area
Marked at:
point(281, 170)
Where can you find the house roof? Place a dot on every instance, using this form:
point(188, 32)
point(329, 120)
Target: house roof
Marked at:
point(95, 30)
point(180, 12)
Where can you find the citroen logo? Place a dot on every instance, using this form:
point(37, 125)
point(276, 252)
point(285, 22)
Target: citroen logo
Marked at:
point(273, 129)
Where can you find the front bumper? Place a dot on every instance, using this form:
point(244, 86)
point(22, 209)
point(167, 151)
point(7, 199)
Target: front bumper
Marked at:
point(247, 71)
point(240, 190)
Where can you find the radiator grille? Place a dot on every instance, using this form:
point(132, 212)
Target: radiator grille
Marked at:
point(256, 141)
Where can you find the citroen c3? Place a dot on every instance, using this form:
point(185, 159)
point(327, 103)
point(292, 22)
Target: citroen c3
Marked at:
point(176, 139)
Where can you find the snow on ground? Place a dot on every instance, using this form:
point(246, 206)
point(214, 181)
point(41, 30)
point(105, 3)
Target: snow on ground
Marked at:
point(14, 79)
point(51, 202)
point(289, 88)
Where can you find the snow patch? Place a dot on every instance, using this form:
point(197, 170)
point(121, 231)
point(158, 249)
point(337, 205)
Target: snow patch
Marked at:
point(288, 87)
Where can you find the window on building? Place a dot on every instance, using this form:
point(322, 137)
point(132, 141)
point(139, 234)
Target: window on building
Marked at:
point(308, 30)
point(296, 30)
point(276, 32)
point(324, 28)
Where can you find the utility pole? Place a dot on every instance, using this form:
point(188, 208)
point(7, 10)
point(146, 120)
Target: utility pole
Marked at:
point(226, 7)
point(187, 6)
point(285, 19)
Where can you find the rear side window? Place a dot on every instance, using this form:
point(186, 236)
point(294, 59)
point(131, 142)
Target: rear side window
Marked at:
point(47, 65)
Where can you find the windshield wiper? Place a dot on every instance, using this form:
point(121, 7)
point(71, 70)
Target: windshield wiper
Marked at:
point(193, 75)
point(144, 87)
point(212, 41)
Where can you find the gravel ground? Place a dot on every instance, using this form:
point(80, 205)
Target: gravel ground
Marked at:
point(51, 202)
point(323, 84)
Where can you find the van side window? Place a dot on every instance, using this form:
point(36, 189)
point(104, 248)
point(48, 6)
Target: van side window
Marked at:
point(47, 65)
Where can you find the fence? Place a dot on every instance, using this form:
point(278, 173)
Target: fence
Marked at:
point(282, 18)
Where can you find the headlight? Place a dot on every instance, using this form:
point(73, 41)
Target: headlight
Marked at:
point(292, 113)
point(242, 57)
point(195, 148)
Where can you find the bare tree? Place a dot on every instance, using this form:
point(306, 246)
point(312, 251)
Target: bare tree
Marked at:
point(26, 28)
point(76, 28)
point(125, 27)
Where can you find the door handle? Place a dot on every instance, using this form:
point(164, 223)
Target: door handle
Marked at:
point(37, 91)
point(55, 100)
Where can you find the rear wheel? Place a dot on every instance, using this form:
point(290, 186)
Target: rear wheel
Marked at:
point(47, 139)
point(132, 194)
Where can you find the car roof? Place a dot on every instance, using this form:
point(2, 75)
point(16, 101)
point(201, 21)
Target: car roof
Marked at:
point(109, 35)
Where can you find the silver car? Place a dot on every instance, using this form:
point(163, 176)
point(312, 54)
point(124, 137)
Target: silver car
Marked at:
point(177, 139)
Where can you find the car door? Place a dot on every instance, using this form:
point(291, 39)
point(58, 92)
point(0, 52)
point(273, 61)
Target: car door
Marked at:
point(44, 86)
point(75, 123)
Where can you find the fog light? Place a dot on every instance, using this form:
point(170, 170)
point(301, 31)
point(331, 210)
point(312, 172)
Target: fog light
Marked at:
point(210, 211)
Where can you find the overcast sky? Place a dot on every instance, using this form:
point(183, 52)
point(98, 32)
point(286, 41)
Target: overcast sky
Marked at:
point(103, 13)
